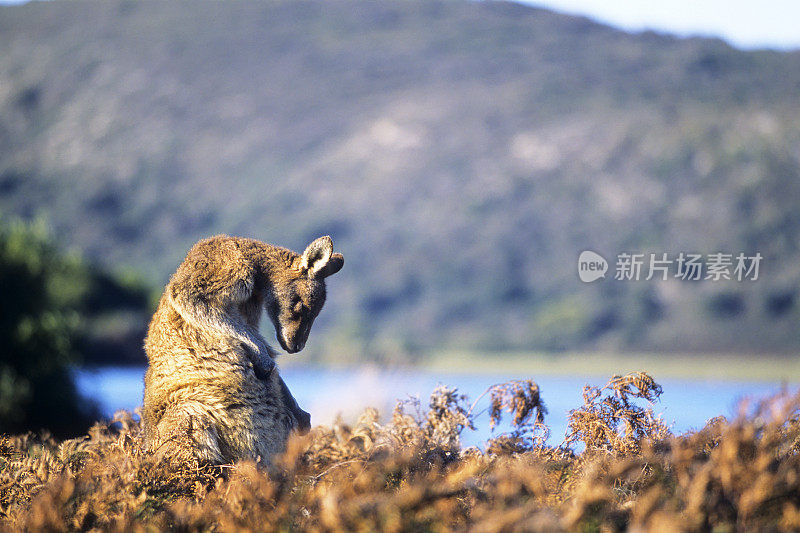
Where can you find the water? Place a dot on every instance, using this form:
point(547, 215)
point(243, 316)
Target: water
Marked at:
point(685, 404)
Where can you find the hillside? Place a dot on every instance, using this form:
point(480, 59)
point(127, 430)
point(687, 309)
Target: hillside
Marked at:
point(460, 154)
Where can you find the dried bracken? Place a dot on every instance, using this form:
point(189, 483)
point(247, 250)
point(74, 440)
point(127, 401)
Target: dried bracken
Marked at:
point(613, 422)
point(522, 400)
point(410, 474)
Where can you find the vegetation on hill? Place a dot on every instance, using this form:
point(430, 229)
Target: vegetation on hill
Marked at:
point(411, 474)
point(461, 155)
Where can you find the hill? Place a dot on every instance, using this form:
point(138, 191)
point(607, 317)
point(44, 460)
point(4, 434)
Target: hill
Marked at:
point(460, 154)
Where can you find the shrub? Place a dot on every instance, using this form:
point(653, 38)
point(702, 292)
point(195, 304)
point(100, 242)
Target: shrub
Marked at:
point(40, 291)
point(409, 474)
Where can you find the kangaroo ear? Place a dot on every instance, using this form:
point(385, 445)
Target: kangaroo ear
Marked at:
point(334, 265)
point(317, 256)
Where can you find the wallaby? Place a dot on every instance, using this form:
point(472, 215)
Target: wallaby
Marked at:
point(212, 390)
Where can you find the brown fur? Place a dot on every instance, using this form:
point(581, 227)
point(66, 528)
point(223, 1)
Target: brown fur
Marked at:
point(212, 391)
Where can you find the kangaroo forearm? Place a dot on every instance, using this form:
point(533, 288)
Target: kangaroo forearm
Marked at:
point(204, 316)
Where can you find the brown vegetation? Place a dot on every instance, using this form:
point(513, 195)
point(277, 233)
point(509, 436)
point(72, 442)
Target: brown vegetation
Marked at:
point(411, 473)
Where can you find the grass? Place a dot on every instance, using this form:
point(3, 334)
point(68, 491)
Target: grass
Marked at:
point(412, 474)
point(739, 367)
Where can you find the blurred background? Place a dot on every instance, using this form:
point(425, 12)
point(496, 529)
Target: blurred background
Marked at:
point(461, 155)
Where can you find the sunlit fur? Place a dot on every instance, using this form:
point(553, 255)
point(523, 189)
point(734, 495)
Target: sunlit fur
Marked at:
point(212, 391)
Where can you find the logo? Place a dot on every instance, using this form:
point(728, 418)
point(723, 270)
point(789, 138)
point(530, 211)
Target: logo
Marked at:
point(591, 266)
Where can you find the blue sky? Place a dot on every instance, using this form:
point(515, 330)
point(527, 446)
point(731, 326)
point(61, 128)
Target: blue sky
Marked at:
point(743, 23)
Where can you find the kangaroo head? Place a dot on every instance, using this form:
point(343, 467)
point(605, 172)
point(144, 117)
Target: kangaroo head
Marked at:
point(298, 293)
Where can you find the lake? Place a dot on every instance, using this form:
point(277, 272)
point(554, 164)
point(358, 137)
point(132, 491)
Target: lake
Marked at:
point(327, 392)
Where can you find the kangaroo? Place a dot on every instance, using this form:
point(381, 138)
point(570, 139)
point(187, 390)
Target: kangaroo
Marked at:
point(212, 390)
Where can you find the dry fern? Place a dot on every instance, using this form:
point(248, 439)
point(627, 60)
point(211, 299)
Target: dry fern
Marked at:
point(409, 474)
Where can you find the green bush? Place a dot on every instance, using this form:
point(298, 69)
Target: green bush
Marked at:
point(40, 293)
